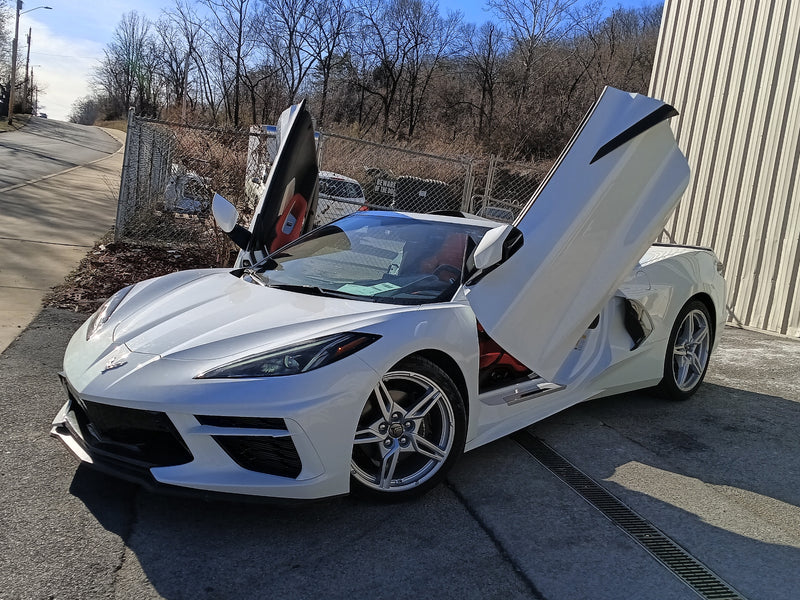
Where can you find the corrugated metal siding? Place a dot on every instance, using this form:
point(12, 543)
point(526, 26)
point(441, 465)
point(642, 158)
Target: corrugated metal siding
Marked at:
point(731, 69)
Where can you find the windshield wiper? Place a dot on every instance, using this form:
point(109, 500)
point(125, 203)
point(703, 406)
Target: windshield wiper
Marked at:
point(318, 291)
point(254, 275)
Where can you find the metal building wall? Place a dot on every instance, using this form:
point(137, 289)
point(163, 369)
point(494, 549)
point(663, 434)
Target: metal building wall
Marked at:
point(730, 67)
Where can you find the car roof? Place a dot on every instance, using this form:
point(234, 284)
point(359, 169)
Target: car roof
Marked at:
point(332, 175)
point(467, 219)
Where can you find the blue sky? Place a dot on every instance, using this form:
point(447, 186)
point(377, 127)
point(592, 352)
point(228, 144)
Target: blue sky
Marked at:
point(68, 41)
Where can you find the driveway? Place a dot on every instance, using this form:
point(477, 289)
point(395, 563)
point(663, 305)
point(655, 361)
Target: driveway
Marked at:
point(58, 191)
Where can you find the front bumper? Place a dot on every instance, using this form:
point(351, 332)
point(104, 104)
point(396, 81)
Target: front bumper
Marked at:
point(300, 450)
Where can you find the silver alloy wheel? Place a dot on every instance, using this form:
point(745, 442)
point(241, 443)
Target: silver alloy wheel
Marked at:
point(691, 350)
point(405, 433)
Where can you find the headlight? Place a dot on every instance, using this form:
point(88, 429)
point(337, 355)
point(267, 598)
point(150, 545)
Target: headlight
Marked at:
point(290, 360)
point(102, 314)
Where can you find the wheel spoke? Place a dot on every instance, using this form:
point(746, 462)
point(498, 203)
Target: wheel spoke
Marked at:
point(424, 406)
point(695, 360)
point(429, 449)
point(384, 400)
point(700, 335)
point(370, 435)
point(679, 350)
point(683, 371)
point(689, 327)
point(388, 465)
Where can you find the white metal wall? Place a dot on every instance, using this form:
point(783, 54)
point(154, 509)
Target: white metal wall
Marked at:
point(730, 67)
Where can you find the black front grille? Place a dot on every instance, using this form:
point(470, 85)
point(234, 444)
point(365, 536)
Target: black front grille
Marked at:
point(242, 422)
point(274, 456)
point(142, 437)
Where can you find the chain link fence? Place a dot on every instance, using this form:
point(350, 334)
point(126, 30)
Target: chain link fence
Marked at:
point(172, 170)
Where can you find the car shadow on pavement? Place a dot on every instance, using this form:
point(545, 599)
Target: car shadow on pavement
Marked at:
point(658, 457)
point(335, 548)
point(719, 473)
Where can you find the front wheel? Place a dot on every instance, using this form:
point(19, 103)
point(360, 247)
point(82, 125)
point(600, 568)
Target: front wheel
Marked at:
point(410, 432)
point(688, 352)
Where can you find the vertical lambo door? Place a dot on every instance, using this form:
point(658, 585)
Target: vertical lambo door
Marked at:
point(604, 202)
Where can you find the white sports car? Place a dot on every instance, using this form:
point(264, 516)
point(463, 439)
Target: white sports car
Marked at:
point(368, 354)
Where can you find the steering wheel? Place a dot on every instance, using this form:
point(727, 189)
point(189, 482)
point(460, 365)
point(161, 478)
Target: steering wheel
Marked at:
point(445, 267)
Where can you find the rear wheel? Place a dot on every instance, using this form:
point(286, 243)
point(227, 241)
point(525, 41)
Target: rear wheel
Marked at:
point(410, 432)
point(688, 352)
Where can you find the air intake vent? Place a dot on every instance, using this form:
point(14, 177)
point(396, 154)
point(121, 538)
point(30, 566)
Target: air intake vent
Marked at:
point(242, 422)
point(271, 455)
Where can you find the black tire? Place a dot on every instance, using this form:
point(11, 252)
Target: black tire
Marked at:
point(688, 352)
point(410, 432)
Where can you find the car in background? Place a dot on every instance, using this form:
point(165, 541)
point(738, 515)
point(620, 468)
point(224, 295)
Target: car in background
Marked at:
point(339, 195)
point(497, 213)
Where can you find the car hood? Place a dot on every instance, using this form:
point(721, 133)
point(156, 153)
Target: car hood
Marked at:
point(212, 314)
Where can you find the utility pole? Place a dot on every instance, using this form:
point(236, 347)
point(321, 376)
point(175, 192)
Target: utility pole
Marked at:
point(13, 66)
point(25, 99)
point(14, 58)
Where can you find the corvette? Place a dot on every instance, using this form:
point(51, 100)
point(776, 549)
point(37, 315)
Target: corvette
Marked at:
point(368, 354)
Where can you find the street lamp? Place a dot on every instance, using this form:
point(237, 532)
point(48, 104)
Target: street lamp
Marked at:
point(14, 58)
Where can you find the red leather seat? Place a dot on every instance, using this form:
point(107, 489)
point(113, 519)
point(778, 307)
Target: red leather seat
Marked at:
point(451, 252)
point(290, 223)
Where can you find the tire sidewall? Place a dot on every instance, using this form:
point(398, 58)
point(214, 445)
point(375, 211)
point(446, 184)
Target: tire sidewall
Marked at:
point(668, 386)
point(432, 371)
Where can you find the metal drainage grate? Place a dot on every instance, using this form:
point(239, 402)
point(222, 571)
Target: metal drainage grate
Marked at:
point(694, 573)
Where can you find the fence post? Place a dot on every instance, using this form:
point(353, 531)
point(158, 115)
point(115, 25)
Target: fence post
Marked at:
point(122, 199)
point(469, 182)
point(487, 191)
point(321, 151)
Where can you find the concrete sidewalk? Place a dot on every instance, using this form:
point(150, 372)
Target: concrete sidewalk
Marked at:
point(47, 226)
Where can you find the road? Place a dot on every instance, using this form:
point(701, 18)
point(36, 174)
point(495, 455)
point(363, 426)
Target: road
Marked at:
point(58, 189)
point(44, 147)
point(717, 474)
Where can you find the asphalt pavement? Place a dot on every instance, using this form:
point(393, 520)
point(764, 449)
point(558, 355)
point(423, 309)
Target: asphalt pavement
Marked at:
point(717, 475)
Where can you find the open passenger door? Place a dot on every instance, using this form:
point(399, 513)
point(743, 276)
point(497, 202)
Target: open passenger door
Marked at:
point(603, 203)
point(285, 210)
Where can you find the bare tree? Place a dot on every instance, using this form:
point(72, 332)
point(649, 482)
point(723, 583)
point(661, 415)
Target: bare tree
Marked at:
point(5, 46)
point(385, 47)
point(126, 75)
point(485, 49)
point(287, 29)
point(431, 39)
point(180, 32)
point(231, 36)
point(331, 24)
point(85, 110)
point(532, 25)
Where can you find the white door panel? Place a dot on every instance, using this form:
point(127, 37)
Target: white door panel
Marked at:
point(605, 201)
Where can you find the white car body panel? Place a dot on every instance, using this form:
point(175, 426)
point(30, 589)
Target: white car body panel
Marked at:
point(582, 235)
point(166, 331)
point(321, 407)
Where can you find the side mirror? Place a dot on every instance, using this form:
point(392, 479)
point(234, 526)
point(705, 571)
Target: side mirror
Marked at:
point(225, 213)
point(490, 249)
point(227, 217)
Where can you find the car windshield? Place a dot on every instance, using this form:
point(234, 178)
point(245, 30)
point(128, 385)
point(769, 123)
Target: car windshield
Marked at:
point(377, 257)
point(340, 188)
